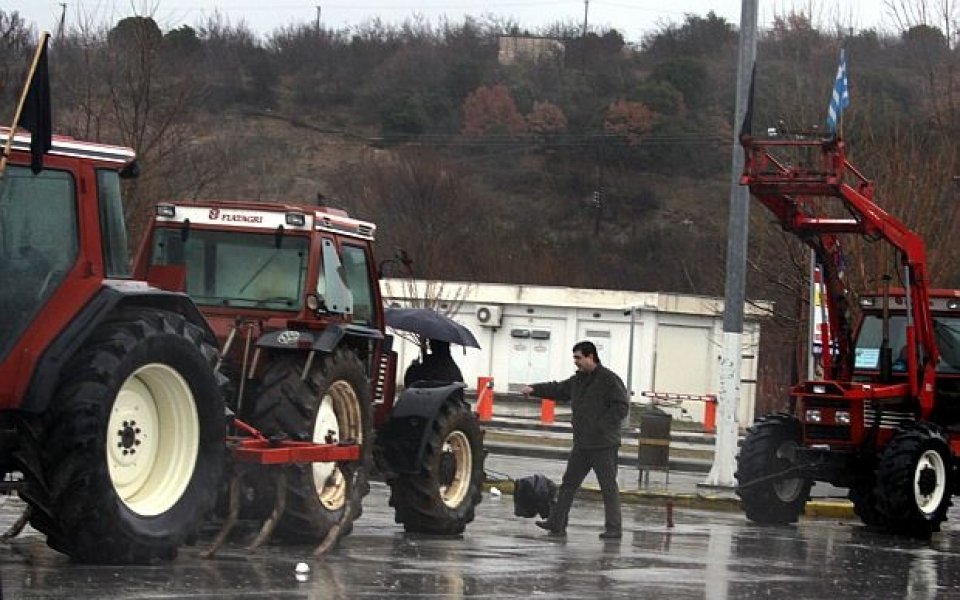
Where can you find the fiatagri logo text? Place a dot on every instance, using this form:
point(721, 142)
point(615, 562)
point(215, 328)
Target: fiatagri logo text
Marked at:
point(216, 215)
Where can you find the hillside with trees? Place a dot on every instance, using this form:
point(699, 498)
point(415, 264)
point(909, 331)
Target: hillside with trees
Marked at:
point(602, 165)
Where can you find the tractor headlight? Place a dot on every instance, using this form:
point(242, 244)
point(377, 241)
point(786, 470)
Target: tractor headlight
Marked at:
point(813, 415)
point(842, 417)
point(296, 219)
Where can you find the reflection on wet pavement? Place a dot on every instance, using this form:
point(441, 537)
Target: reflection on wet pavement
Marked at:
point(706, 555)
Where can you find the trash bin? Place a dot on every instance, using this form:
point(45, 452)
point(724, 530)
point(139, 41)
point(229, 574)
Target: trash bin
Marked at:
point(653, 443)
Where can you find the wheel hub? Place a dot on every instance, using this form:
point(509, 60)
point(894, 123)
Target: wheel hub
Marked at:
point(448, 468)
point(930, 481)
point(128, 438)
point(338, 418)
point(454, 468)
point(152, 439)
point(927, 481)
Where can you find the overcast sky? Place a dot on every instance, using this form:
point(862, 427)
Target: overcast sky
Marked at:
point(632, 17)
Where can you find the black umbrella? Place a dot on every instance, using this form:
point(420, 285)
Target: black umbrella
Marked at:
point(430, 324)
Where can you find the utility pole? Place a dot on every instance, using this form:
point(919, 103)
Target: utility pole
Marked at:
point(318, 17)
point(586, 7)
point(63, 18)
point(721, 473)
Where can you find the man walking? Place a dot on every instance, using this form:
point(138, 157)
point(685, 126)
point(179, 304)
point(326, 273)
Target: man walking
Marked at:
point(599, 403)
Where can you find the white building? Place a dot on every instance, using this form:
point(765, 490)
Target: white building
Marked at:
point(527, 334)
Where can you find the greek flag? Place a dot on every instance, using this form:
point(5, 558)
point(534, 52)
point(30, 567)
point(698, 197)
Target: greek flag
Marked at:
point(841, 95)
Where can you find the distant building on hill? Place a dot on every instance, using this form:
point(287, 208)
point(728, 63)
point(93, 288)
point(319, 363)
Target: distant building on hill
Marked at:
point(515, 48)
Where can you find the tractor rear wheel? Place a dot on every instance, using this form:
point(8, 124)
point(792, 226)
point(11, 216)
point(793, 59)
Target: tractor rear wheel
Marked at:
point(125, 463)
point(441, 498)
point(331, 406)
point(767, 451)
point(914, 480)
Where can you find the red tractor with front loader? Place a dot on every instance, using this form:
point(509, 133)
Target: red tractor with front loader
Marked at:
point(111, 412)
point(292, 294)
point(884, 420)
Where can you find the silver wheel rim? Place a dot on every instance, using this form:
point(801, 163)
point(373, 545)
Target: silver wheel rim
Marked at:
point(338, 420)
point(930, 462)
point(787, 489)
point(153, 439)
point(458, 446)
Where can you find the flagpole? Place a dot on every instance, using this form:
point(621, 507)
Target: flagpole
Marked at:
point(843, 58)
point(23, 99)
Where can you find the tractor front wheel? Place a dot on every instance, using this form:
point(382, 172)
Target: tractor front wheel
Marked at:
point(332, 405)
point(769, 492)
point(914, 480)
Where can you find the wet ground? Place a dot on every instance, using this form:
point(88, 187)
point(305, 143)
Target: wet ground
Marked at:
point(705, 555)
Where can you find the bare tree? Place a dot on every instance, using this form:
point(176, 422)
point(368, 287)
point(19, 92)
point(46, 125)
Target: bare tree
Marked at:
point(928, 29)
point(16, 43)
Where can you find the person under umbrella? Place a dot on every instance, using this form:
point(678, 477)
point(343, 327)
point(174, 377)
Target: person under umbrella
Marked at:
point(437, 366)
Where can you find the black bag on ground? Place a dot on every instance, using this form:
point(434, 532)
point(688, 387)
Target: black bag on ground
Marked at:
point(533, 495)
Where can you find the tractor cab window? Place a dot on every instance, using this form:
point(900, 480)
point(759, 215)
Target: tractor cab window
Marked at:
point(116, 261)
point(867, 357)
point(38, 244)
point(357, 271)
point(867, 353)
point(237, 269)
point(947, 332)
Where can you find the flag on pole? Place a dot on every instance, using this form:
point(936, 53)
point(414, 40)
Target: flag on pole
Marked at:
point(746, 128)
point(841, 95)
point(37, 117)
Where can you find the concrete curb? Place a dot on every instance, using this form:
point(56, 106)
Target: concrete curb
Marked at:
point(561, 453)
point(815, 509)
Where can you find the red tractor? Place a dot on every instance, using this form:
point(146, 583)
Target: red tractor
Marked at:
point(292, 294)
point(110, 407)
point(884, 421)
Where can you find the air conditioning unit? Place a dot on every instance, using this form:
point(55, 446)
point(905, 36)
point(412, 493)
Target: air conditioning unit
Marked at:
point(489, 315)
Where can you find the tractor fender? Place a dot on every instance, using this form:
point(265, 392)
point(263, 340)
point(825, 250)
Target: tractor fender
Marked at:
point(322, 341)
point(403, 438)
point(113, 295)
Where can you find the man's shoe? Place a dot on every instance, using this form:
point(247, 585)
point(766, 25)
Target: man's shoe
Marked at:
point(553, 529)
point(611, 535)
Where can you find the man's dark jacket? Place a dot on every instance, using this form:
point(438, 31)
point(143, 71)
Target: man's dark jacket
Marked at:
point(599, 403)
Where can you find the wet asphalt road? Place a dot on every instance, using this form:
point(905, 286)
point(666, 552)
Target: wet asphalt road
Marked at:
point(711, 555)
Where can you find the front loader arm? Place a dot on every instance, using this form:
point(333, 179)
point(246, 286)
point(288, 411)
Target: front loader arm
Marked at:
point(792, 193)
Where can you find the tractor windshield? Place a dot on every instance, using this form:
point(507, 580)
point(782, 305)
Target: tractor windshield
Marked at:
point(38, 244)
point(947, 330)
point(247, 270)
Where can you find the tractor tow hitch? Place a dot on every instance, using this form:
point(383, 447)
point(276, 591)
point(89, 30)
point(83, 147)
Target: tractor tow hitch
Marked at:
point(256, 449)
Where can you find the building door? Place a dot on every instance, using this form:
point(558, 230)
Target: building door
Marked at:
point(530, 351)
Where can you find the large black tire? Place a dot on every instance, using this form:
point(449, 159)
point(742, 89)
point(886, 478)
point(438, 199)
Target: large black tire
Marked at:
point(441, 498)
point(125, 463)
point(767, 499)
point(865, 506)
point(331, 405)
point(914, 480)
point(863, 495)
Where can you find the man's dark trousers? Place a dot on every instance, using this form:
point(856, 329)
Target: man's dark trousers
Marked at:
point(603, 461)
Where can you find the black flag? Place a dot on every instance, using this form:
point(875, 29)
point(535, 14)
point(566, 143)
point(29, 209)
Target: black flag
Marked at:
point(746, 128)
point(37, 117)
